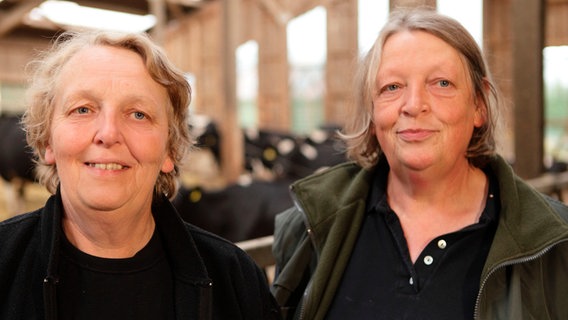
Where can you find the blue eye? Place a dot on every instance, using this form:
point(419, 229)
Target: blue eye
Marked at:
point(444, 83)
point(391, 87)
point(139, 115)
point(82, 110)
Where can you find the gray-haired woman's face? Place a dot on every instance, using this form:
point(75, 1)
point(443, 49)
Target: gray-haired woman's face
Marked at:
point(424, 111)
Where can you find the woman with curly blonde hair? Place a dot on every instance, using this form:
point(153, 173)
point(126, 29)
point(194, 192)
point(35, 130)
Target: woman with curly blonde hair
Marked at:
point(107, 120)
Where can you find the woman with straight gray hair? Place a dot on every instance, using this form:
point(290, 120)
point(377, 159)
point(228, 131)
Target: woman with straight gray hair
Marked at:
point(427, 222)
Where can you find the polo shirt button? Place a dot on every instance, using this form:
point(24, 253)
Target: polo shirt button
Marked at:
point(428, 260)
point(442, 244)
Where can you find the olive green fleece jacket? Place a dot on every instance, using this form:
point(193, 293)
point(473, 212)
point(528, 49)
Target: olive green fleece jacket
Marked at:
point(525, 275)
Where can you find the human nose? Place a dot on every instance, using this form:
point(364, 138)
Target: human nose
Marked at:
point(416, 101)
point(108, 129)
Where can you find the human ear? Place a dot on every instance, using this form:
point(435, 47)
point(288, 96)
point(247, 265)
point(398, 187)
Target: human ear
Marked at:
point(167, 165)
point(49, 155)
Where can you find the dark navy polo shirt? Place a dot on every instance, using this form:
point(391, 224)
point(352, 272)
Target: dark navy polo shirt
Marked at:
point(381, 282)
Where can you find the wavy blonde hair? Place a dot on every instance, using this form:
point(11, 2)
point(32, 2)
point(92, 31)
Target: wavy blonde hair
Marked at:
point(358, 133)
point(40, 96)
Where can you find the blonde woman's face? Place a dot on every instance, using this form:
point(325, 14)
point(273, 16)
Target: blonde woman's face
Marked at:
point(424, 110)
point(109, 131)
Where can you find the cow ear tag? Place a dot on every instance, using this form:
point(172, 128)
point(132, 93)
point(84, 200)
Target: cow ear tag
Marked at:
point(269, 154)
point(195, 195)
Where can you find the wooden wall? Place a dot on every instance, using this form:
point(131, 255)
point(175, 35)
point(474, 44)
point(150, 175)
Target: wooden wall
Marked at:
point(14, 56)
point(198, 45)
point(556, 23)
point(195, 45)
point(203, 44)
point(515, 31)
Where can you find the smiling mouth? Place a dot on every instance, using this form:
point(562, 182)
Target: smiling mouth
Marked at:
point(415, 134)
point(106, 166)
point(413, 131)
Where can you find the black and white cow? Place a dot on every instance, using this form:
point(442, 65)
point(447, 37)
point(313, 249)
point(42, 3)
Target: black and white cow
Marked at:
point(269, 150)
point(284, 155)
point(316, 151)
point(206, 135)
point(237, 212)
point(274, 159)
point(16, 162)
point(293, 157)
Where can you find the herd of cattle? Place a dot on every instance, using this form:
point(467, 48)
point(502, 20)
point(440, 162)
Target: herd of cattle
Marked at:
point(16, 162)
point(246, 210)
point(238, 211)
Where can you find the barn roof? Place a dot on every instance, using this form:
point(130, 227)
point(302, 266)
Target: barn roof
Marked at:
point(15, 21)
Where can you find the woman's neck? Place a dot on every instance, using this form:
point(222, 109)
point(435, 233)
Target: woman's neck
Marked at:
point(428, 208)
point(113, 236)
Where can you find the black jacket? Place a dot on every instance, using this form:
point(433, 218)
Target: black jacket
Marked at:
point(213, 278)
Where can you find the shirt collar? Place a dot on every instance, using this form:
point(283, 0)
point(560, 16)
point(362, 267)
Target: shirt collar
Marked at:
point(377, 199)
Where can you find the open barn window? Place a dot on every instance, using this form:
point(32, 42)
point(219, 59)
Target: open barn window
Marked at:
point(556, 105)
point(372, 15)
point(468, 13)
point(11, 98)
point(247, 84)
point(307, 49)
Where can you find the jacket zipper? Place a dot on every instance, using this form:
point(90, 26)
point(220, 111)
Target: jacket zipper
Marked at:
point(506, 264)
point(311, 236)
point(205, 306)
point(50, 304)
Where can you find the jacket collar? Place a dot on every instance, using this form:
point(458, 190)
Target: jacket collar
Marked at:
point(180, 246)
point(525, 214)
point(338, 191)
point(184, 256)
point(51, 232)
point(192, 280)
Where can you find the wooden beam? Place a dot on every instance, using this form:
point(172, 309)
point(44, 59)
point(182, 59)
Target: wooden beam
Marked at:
point(232, 149)
point(260, 250)
point(274, 107)
point(340, 66)
point(133, 7)
point(188, 3)
point(158, 9)
point(556, 29)
point(14, 17)
point(553, 184)
point(175, 10)
point(298, 8)
point(527, 17)
point(278, 13)
point(393, 4)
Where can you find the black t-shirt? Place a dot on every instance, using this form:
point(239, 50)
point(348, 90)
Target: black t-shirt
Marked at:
point(138, 288)
point(381, 282)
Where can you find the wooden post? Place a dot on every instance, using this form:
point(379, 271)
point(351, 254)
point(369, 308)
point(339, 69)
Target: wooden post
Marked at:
point(273, 91)
point(497, 47)
point(341, 58)
point(158, 9)
point(513, 43)
point(232, 142)
point(527, 43)
point(15, 16)
point(411, 3)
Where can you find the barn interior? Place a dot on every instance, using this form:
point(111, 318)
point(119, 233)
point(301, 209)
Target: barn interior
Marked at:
point(238, 58)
